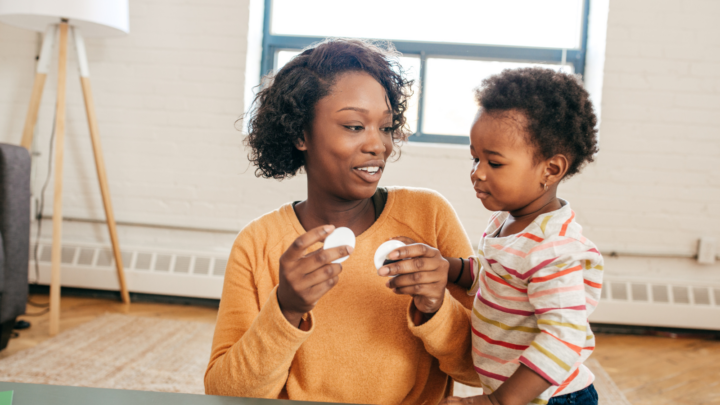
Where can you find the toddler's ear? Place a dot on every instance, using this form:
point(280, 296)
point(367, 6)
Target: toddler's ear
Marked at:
point(555, 168)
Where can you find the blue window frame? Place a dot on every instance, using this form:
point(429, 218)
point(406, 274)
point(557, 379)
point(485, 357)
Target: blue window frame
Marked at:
point(572, 59)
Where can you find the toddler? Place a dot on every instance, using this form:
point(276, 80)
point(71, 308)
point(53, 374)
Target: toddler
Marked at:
point(535, 278)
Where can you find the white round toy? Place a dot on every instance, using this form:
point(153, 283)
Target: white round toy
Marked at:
point(340, 237)
point(384, 250)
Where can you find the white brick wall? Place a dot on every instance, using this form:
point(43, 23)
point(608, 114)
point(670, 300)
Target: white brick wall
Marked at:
point(168, 96)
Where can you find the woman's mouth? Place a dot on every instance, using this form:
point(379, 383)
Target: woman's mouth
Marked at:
point(370, 174)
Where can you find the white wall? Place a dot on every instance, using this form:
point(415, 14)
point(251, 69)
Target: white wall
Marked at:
point(168, 96)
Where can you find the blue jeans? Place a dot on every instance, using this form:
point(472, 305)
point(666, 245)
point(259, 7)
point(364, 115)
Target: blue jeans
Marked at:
point(586, 396)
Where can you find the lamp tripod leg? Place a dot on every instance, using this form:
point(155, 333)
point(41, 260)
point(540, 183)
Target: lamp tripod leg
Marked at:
point(57, 202)
point(38, 85)
point(100, 161)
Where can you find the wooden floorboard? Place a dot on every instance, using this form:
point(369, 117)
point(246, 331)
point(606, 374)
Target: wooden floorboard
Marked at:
point(661, 370)
point(649, 370)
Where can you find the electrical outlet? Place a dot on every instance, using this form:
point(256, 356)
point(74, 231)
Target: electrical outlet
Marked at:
point(706, 250)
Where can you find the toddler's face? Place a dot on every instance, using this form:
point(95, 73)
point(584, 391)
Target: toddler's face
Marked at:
point(504, 174)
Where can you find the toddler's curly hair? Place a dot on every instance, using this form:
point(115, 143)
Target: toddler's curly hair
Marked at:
point(286, 106)
point(560, 116)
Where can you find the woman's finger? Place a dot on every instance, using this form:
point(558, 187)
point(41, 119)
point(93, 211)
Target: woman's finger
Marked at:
point(321, 275)
point(408, 266)
point(416, 278)
point(318, 290)
point(299, 246)
point(419, 289)
point(414, 250)
point(322, 257)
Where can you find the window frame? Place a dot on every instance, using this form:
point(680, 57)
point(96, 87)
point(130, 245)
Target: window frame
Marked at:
point(424, 50)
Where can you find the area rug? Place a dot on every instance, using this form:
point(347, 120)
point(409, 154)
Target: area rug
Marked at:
point(119, 351)
point(155, 354)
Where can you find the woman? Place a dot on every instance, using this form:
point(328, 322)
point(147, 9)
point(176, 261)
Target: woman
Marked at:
point(293, 324)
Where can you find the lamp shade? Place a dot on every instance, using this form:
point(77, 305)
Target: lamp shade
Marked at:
point(98, 18)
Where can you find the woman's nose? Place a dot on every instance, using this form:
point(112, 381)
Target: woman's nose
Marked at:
point(374, 142)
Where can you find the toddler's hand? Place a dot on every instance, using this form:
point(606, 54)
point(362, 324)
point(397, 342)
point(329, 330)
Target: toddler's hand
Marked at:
point(423, 275)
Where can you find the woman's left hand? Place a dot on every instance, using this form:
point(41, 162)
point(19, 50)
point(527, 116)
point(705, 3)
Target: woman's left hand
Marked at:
point(421, 272)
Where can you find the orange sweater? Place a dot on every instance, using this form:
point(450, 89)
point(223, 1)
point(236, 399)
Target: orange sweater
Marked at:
point(361, 346)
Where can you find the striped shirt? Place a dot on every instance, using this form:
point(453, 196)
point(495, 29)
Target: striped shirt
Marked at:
point(533, 294)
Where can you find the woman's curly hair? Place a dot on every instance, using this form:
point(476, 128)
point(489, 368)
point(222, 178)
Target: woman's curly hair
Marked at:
point(285, 107)
point(560, 117)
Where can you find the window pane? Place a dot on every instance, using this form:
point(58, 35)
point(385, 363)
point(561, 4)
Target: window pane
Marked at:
point(450, 105)
point(283, 57)
point(533, 23)
point(410, 64)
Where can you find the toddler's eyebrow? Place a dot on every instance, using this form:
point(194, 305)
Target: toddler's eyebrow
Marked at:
point(492, 152)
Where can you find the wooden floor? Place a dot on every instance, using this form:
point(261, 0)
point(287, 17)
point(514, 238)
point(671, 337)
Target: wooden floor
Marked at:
point(660, 370)
point(649, 370)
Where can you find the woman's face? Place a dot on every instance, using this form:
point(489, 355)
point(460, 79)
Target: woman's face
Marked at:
point(350, 139)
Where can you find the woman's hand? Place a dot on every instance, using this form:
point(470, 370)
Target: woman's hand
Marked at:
point(423, 275)
point(304, 279)
point(477, 400)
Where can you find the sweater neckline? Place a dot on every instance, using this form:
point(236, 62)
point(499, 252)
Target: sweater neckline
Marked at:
point(299, 229)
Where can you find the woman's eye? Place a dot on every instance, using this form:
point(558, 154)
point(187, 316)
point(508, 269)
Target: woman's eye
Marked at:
point(354, 128)
point(387, 129)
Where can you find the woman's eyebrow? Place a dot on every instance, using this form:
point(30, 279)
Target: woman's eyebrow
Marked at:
point(360, 110)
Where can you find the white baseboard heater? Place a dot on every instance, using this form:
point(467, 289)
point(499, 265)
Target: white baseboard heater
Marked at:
point(150, 271)
point(658, 302)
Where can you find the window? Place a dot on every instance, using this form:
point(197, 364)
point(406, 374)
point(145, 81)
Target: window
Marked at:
point(448, 47)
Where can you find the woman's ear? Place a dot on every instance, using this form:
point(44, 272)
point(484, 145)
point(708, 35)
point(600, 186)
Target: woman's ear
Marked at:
point(300, 143)
point(555, 169)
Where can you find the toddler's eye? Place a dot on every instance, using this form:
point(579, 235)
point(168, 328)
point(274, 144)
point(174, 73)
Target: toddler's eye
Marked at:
point(494, 165)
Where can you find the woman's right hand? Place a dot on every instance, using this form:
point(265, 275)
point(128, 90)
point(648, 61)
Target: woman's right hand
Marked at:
point(304, 279)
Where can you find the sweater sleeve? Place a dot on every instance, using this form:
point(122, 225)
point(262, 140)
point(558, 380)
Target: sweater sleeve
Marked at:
point(254, 345)
point(446, 335)
point(557, 292)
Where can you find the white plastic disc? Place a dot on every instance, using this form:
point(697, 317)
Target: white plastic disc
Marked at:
point(384, 250)
point(340, 237)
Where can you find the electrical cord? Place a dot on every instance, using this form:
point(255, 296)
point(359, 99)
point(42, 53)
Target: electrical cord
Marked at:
point(38, 217)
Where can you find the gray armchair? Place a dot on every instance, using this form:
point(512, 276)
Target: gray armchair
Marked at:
point(14, 236)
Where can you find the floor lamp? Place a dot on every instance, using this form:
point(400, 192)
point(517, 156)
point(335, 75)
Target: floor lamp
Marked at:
point(62, 19)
